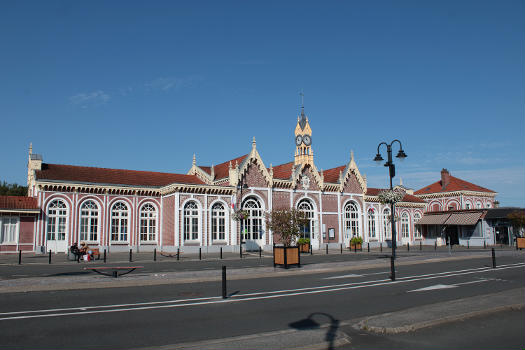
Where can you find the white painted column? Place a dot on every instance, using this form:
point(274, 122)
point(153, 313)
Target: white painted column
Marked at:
point(177, 216)
point(339, 221)
point(270, 207)
point(161, 219)
point(233, 224)
point(205, 226)
point(320, 229)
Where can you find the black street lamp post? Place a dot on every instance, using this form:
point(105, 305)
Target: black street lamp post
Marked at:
point(401, 155)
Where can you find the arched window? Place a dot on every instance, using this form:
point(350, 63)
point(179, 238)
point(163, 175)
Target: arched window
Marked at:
point(119, 222)
point(89, 221)
point(417, 231)
point(252, 226)
point(371, 223)
point(467, 206)
point(488, 205)
point(351, 219)
point(404, 225)
point(478, 205)
point(387, 224)
point(218, 222)
point(148, 223)
point(306, 206)
point(191, 221)
point(56, 220)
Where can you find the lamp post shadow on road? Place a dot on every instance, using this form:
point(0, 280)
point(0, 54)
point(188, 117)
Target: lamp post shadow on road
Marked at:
point(401, 155)
point(309, 323)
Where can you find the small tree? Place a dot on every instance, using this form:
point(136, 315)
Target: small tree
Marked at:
point(286, 223)
point(517, 219)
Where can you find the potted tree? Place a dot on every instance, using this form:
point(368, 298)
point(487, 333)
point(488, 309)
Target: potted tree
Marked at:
point(286, 225)
point(356, 243)
point(304, 244)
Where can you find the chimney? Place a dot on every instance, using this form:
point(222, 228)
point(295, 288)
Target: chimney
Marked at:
point(445, 178)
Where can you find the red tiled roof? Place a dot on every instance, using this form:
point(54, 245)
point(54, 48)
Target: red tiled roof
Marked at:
point(18, 203)
point(283, 171)
point(370, 191)
point(454, 185)
point(332, 175)
point(72, 173)
point(222, 170)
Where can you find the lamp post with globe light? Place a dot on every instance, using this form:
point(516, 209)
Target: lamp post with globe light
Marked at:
point(401, 155)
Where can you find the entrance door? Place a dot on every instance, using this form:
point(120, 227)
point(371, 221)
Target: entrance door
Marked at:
point(405, 229)
point(310, 231)
point(56, 227)
point(252, 233)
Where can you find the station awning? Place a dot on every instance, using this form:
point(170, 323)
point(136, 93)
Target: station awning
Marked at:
point(463, 218)
point(436, 219)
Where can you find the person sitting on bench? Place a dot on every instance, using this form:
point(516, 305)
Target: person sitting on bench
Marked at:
point(84, 249)
point(75, 251)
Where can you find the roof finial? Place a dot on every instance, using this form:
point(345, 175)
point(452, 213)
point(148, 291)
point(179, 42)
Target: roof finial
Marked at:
point(302, 102)
point(351, 155)
point(253, 142)
point(30, 147)
point(400, 181)
point(230, 165)
point(194, 159)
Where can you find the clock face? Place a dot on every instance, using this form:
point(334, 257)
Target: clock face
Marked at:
point(307, 140)
point(298, 140)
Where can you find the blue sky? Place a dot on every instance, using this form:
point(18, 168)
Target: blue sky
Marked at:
point(144, 85)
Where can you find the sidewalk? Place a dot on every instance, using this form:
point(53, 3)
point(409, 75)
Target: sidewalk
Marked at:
point(81, 279)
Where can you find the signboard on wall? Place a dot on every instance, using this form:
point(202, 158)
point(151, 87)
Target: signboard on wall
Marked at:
point(331, 233)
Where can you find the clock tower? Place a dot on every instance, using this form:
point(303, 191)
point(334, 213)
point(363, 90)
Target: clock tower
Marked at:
point(303, 140)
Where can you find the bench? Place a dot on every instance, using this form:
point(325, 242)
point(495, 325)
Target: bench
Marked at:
point(113, 269)
point(96, 252)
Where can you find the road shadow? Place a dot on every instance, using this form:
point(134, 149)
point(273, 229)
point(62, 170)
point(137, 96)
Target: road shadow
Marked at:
point(310, 323)
point(75, 273)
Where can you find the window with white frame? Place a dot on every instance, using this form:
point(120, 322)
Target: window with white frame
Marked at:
point(306, 206)
point(417, 228)
point(478, 205)
point(404, 225)
point(119, 222)
point(8, 229)
point(351, 219)
point(89, 221)
point(387, 224)
point(191, 221)
point(488, 205)
point(148, 223)
point(218, 222)
point(56, 221)
point(371, 223)
point(467, 206)
point(252, 226)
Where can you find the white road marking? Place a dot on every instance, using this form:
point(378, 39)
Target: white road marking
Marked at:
point(245, 297)
point(448, 286)
point(352, 275)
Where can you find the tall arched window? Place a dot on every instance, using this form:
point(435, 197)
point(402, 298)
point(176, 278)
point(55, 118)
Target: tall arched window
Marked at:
point(306, 206)
point(252, 226)
point(351, 219)
point(191, 221)
point(89, 221)
point(478, 205)
point(148, 223)
point(119, 222)
point(218, 222)
point(417, 231)
point(387, 231)
point(404, 225)
point(371, 223)
point(56, 220)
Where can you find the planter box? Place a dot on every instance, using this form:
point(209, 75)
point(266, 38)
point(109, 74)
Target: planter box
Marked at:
point(520, 242)
point(357, 246)
point(304, 247)
point(286, 256)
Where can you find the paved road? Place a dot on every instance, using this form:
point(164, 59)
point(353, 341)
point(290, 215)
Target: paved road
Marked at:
point(144, 316)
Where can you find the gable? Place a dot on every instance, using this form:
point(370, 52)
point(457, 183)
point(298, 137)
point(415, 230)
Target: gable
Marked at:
point(254, 176)
point(352, 184)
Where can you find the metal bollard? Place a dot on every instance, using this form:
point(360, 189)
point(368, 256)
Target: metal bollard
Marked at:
point(115, 273)
point(19, 257)
point(435, 245)
point(221, 253)
point(468, 244)
point(50, 256)
point(341, 248)
point(381, 247)
point(131, 255)
point(155, 254)
point(224, 292)
point(200, 253)
point(178, 253)
point(493, 259)
point(327, 248)
point(420, 246)
point(355, 248)
point(408, 247)
point(392, 269)
point(368, 247)
point(104, 256)
point(312, 253)
point(484, 244)
point(260, 252)
point(240, 250)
